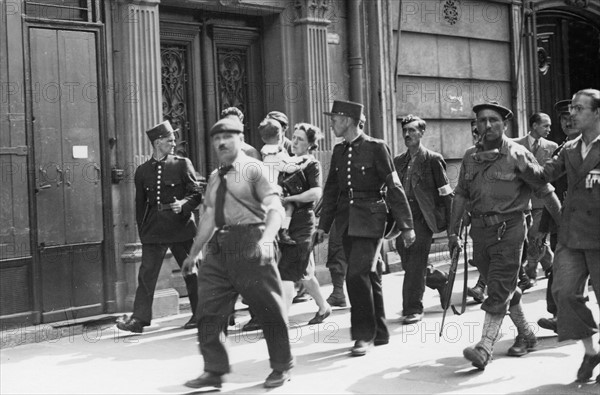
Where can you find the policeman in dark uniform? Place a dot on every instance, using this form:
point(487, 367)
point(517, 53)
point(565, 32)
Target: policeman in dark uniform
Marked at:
point(166, 193)
point(361, 167)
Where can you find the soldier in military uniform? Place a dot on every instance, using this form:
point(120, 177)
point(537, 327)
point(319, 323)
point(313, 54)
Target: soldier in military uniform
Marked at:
point(496, 179)
point(361, 167)
point(166, 193)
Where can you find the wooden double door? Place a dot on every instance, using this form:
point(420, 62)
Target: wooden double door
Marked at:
point(68, 168)
point(207, 67)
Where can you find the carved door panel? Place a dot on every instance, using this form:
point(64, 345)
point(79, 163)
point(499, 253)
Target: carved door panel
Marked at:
point(182, 88)
point(175, 93)
point(237, 75)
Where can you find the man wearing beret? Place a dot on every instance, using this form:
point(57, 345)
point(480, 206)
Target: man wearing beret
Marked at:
point(166, 193)
point(496, 179)
point(423, 175)
point(238, 228)
point(578, 249)
point(361, 167)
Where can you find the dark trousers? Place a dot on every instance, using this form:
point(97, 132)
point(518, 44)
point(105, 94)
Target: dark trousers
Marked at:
point(336, 259)
point(367, 313)
point(414, 262)
point(152, 259)
point(499, 261)
point(232, 266)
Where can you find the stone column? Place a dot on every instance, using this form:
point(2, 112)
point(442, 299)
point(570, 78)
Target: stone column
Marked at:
point(313, 64)
point(138, 103)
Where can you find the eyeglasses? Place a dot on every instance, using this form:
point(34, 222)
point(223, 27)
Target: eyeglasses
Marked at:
point(577, 108)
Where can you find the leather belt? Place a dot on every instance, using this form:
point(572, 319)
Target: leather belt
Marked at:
point(485, 220)
point(163, 206)
point(240, 227)
point(352, 194)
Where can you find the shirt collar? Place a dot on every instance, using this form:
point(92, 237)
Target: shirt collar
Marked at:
point(531, 139)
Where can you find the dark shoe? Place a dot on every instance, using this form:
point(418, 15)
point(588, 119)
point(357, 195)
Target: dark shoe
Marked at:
point(337, 301)
point(360, 348)
point(252, 325)
point(277, 378)
point(318, 318)
point(477, 356)
point(587, 367)
point(284, 237)
point(444, 297)
point(412, 319)
point(477, 293)
point(191, 324)
point(131, 325)
point(206, 379)
point(523, 345)
point(548, 323)
point(381, 342)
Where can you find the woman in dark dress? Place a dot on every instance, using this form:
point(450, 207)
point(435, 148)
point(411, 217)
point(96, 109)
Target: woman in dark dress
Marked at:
point(294, 264)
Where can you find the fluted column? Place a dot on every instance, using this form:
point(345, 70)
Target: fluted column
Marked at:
point(311, 32)
point(138, 107)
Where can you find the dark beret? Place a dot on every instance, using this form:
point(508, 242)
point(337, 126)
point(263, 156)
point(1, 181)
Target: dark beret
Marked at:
point(227, 124)
point(504, 112)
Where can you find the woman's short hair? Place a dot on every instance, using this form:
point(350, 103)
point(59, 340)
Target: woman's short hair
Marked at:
point(313, 134)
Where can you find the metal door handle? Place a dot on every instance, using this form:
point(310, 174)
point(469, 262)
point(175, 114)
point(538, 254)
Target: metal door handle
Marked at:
point(46, 186)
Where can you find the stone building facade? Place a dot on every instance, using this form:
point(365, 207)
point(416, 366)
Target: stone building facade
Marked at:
point(81, 80)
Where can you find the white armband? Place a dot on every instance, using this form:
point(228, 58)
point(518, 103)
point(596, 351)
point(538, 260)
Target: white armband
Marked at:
point(445, 190)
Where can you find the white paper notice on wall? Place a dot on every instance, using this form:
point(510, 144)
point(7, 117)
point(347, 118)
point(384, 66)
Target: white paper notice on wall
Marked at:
point(80, 152)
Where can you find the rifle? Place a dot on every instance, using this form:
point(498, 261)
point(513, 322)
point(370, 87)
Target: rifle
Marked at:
point(452, 276)
point(465, 277)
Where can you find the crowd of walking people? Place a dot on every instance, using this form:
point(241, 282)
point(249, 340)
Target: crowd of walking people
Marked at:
point(527, 201)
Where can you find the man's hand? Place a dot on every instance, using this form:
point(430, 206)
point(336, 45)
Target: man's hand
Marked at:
point(266, 249)
point(453, 243)
point(319, 236)
point(177, 205)
point(408, 237)
point(189, 266)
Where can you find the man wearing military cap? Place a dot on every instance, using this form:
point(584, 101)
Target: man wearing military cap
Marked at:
point(496, 179)
point(361, 167)
point(238, 228)
point(166, 193)
point(547, 225)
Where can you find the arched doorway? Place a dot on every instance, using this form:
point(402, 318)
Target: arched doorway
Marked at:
point(568, 56)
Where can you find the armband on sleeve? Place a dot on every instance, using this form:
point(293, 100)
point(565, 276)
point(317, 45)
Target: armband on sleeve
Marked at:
point(445, 190)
